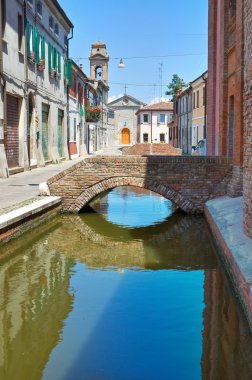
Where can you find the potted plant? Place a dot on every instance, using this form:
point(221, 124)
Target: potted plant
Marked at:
point(41, 65)
point(52, 73)
point(32, 57)
point(93, 114)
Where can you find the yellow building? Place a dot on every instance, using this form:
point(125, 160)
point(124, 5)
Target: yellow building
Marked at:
point(199, 116)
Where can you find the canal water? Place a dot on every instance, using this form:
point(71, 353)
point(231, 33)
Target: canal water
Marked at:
point(130, 289)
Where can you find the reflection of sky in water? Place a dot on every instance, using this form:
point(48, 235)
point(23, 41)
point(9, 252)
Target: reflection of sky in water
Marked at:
point(131, 325)
point(136, 210)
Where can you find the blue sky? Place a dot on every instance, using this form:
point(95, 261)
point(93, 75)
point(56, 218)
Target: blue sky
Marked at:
point(142, 28)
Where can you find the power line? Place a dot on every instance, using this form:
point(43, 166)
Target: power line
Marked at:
point(138, 84)
point(149, 56)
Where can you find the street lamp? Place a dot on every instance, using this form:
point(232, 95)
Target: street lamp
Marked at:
point(121, 64)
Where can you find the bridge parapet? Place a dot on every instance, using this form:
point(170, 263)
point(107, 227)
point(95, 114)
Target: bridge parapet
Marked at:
point(187, 181)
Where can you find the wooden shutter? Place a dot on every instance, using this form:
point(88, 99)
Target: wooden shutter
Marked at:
point(28, 37)
point(12, 140)
point(45, 114)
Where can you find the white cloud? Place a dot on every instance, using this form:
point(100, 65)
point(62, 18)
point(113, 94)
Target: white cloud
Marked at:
point(114, 97)
point(157, 100)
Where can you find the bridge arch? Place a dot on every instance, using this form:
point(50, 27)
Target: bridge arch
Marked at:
point(110, 183)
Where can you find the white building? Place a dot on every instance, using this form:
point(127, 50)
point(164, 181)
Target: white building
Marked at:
point(125, 119)
point(35, 77)
point(77, 124)
point(153, 121)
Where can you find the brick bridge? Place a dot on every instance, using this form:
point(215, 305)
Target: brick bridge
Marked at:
point(187, 181)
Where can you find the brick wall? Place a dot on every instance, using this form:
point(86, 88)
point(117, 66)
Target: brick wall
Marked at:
point(248, 118)
point(187, 181)
point(152, 149)
point(225, 86)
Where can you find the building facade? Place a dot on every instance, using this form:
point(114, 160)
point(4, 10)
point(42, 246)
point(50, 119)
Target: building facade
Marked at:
point(184, 120)
point(229, 96)
point(153, 122)
point(125, 120)
point(77, 123)
point(226, 83)
point(199, 112)
point(34, 127)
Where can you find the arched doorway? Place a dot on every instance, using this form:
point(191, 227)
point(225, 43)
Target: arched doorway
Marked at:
point(125, 136)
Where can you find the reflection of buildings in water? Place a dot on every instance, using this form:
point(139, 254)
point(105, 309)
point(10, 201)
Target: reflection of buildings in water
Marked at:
point(34, 302)
point(227, 345)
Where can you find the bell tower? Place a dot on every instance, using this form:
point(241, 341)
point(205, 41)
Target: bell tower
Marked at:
point(99, 62)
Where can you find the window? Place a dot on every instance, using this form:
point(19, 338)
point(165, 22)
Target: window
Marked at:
point(20, 32)
point(170, 133)
point(51, 23)
point(56, 30)
point(75, 127)
point(3, 16)
point(162, 118)
point(145, 137)
point(138, 119)
point(30, 3)
point(194, 101)
point(145, 118)
point(65, 41)
point(232, 7)
point(39, 9)
point(162, 137)
point(204, 96)
point(197, 99)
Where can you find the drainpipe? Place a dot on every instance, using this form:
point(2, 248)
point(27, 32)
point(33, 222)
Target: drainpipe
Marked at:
point(151, 127)
point(187, 123)
point(5, 171)
point(26, 86)
point(68, 116)
point(205, 105)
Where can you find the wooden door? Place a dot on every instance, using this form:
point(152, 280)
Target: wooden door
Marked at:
point(60, 132)
point(29, 127)
point(125, 136)
point(12, 138)
point(45, 114)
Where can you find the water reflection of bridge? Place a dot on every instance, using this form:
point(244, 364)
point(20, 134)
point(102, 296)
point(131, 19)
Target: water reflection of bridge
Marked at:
point(100, 243)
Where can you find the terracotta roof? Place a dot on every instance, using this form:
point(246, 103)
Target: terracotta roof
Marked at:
point(161, 106)
point(98, 43)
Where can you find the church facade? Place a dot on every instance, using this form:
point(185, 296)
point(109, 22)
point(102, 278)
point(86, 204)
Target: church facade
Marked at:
point(125, 119)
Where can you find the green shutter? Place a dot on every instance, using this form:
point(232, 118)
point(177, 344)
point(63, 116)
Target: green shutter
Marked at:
point(38, 39)
point(28, 36)
point(34, 39)
point(49, 58)
point(69, 72)
point(81, 110)
point(55, 59)
point(59, 65)
point(43, 48)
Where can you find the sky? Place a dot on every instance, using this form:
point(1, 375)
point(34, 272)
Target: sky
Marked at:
point(176, 29)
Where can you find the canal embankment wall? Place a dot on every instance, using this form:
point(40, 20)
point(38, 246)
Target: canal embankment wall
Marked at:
point(20, 220)
point(225, 219)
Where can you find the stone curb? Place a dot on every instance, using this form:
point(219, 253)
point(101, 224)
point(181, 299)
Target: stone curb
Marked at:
point(31, 210)
point(224, 217)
